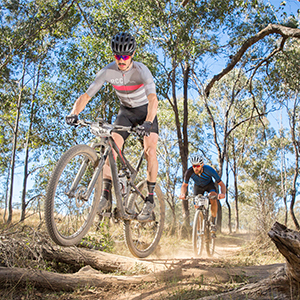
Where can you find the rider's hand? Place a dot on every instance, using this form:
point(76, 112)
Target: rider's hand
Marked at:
point(144, 129)
point(182, 196)
point(221, 196)
point(72, 119)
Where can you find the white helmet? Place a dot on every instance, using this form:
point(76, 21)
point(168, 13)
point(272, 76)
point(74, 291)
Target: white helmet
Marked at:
point(197, 159)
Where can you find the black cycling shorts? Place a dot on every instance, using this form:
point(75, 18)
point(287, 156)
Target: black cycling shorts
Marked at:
point(207, 188)
point(133, 116)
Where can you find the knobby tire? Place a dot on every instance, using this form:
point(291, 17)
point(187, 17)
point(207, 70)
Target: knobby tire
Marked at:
point(142, 238)
point(210, 241)
point(198, 233)
point(69, 217)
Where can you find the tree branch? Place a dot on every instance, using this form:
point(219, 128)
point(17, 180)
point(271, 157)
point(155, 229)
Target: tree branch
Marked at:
point(270, 29)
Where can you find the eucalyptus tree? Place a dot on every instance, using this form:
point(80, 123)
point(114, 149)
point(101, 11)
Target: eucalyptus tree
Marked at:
point(24, 28)
point(170, 167)
point(181, 38)
point(285, 91)
point(229, 116)
point(259, 179)
point(254, 61)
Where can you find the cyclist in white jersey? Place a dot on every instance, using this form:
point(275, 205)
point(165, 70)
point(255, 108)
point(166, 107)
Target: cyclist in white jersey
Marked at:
point(135, 88)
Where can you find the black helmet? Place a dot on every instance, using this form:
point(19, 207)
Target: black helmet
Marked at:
point(123, 43)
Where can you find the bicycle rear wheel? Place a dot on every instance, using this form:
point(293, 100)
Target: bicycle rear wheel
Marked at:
point(198, 233)
point(143, 237)
point(68, 214)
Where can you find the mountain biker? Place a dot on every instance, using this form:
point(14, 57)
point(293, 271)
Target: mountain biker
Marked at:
point(204, 177)
point(135, 88)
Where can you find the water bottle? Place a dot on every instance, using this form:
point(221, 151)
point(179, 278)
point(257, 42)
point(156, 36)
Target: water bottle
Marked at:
point(123, 183)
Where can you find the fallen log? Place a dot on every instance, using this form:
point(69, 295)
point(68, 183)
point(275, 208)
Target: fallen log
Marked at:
point(283, 284)
point(287, 242)
point(98, 260)
point(84, 278)
point(277, 287)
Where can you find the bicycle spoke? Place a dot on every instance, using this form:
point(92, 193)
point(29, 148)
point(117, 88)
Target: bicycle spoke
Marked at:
point(69, 212)
point(198, 233)
point(143, 237)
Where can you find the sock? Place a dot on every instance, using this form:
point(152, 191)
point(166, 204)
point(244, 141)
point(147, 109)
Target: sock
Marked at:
point(213, 220)
point(106, 188)
point(151, 186)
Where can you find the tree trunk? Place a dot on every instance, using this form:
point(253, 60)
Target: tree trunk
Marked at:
point(174, 222)
point(288, 243)
point(186, 212)
point(89, 275)
point(293, 130)
point(85, 277)
point(96, 259)
point(227, 202)
point(276, 287)
point(25, 175)
point(27, 147)
point(14, 147)
point(283, 172)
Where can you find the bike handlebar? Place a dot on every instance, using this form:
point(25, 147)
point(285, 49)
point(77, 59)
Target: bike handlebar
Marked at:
point(199, 195)
point(102, 128)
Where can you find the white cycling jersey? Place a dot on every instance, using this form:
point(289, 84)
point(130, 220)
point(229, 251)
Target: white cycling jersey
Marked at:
point(132, 86)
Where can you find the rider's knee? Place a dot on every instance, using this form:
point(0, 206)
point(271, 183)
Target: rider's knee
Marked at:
point(213, 196)
point(150, 153)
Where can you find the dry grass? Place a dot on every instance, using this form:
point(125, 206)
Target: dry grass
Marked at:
point(19, 247)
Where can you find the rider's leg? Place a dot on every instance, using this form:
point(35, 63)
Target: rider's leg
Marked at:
point(214, 204)
point(150, 144)
point(214, 209)
point(119, 141)
point(105, 200)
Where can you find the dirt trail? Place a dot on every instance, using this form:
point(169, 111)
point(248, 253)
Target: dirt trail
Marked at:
point(174, 274)
point(197, 275)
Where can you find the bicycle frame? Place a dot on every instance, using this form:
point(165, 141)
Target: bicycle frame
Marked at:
point(110, 145)
point(204, 208)
point(114, 172)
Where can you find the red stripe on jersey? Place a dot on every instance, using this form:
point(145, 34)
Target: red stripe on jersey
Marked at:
point(127, 88)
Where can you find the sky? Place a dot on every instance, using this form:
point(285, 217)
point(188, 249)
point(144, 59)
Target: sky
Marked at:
point(291, 6)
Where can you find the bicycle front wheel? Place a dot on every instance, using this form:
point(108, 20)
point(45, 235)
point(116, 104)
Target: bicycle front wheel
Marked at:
point(210, 242)
point(143, 237)
point(198, 233)
point(69, 212)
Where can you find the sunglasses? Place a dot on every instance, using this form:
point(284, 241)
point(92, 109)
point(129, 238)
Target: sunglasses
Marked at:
point(124, 57)
point(196, 166)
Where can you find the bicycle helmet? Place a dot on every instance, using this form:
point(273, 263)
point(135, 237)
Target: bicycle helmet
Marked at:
point(197, 159)
point(123, 43)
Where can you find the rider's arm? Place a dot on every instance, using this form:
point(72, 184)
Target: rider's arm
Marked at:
point(80, 104)
point(184, 186)
point(183, 190)
point(152, 107)
point(223, 190)
point(83, 100)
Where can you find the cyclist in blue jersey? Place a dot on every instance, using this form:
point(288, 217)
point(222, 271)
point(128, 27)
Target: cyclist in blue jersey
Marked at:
point(135, 88)
point(204, 178)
